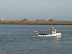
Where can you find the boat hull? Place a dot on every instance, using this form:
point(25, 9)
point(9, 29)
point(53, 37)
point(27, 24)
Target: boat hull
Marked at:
point(57, 35)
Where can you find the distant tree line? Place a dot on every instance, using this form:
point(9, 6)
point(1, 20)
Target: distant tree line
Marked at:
point(38, 20)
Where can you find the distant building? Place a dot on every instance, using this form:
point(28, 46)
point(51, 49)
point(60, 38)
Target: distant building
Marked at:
point(52, 20)
point(40, 20)
point(25, 20)
point(2, 19)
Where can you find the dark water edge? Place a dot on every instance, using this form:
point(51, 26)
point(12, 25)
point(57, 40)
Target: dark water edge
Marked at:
point(35, 24)
point(21, 39)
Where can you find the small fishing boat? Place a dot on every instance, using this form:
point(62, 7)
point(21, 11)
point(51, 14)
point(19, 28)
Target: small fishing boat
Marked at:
point(53, 34)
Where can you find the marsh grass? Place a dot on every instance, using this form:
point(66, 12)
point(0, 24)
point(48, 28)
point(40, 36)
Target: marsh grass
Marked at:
point(38, 22)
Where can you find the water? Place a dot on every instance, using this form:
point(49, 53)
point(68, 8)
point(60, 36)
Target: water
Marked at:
point(21, 39)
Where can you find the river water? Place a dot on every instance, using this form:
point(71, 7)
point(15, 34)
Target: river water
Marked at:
point(21, 39)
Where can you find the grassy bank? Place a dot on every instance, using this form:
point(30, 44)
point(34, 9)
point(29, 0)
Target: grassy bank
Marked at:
point(38, 22)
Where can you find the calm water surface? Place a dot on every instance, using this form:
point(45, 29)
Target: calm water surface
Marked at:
point(21, 39)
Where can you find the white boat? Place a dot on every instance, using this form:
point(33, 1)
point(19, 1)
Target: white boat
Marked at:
point(57, 35)
point(53, 34)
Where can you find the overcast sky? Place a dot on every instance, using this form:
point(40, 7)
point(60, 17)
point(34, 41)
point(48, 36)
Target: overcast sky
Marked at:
point(36, 9)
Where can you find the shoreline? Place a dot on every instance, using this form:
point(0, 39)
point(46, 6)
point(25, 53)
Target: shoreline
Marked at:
point(36, 22)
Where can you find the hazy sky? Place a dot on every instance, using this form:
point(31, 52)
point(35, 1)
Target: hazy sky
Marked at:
point(34, 9)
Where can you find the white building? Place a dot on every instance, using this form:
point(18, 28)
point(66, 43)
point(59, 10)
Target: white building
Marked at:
point(2, 19)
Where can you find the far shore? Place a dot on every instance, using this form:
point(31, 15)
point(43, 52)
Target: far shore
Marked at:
point(37, 22)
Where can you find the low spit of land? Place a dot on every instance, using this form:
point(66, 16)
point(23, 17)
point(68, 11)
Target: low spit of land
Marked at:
point(38, 22)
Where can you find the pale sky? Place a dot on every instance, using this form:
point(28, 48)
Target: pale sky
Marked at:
point(36, 9)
